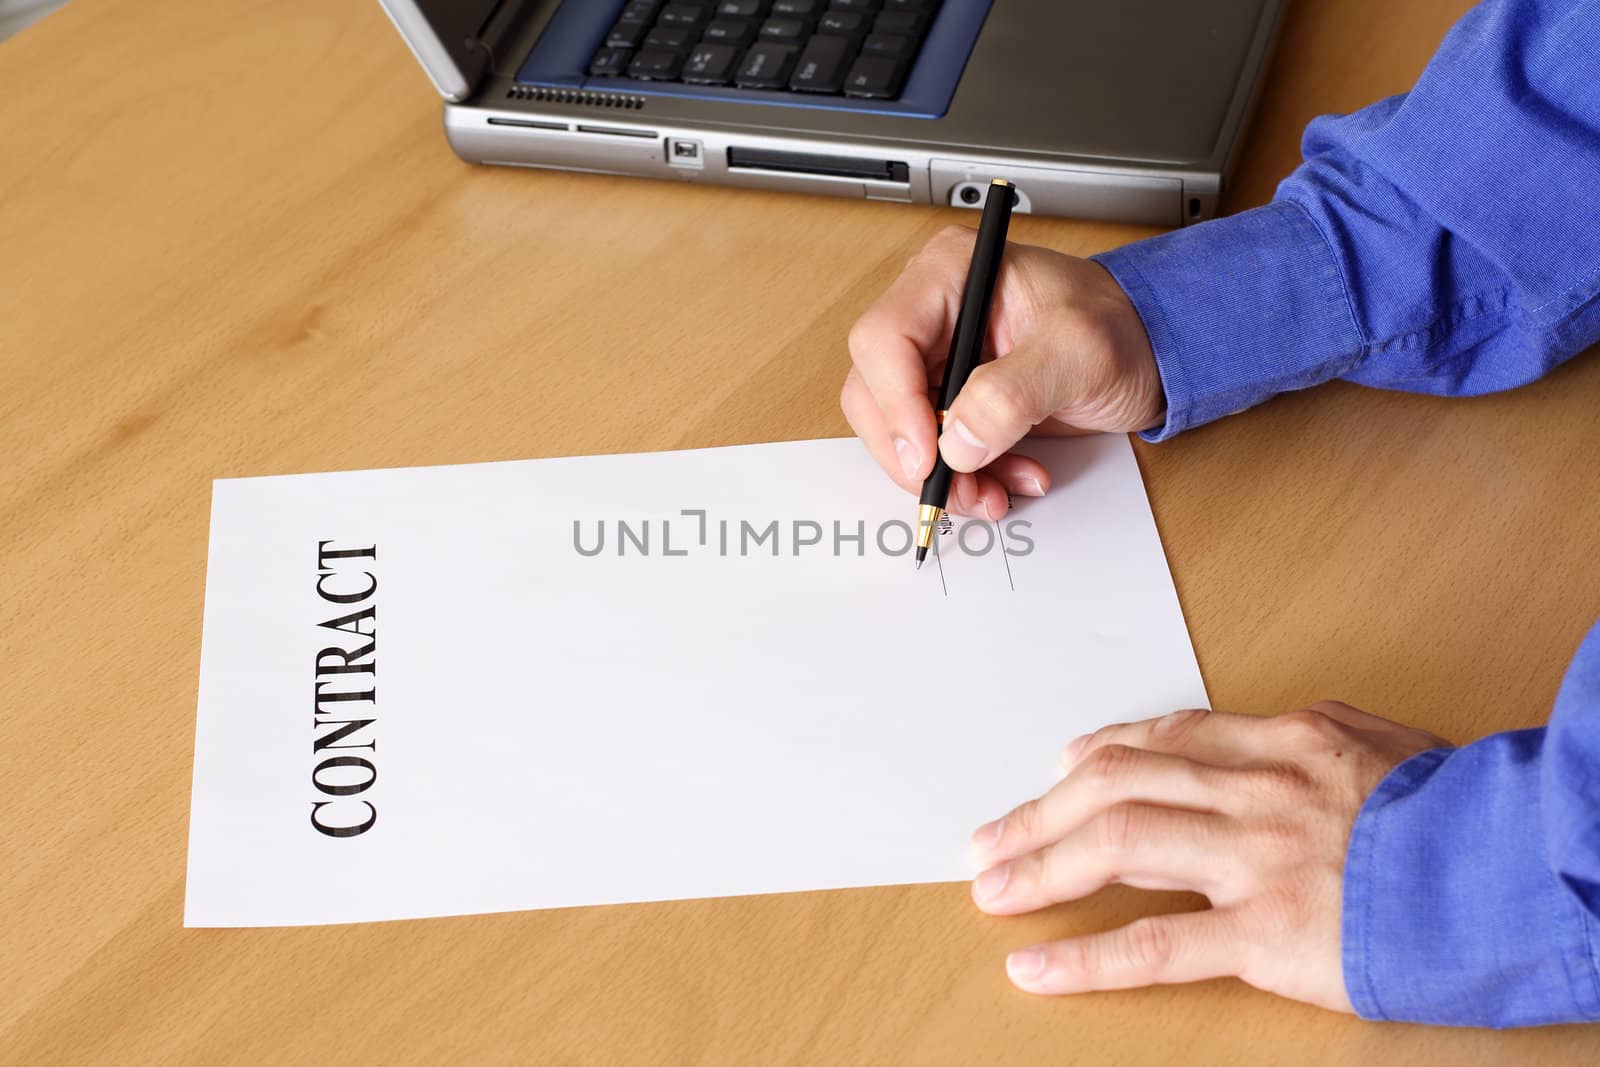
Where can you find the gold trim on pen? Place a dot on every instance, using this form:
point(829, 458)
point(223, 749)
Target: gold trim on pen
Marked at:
point(927, 521)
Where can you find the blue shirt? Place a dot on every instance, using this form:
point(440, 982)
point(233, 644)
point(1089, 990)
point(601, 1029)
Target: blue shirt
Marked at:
point(1446, 241)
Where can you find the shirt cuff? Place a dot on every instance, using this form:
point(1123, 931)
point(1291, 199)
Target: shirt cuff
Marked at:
point(1238, 310)
point(1452, 913)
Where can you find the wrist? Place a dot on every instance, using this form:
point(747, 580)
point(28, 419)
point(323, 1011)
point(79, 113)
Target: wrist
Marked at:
point(1238, 310)
point(1138, 396)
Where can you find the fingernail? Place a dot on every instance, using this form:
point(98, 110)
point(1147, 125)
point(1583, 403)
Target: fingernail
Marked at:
point(1025, 963)
point(1032, 486)
point(987, 836)
point(1172, 720)
point(1070, 756)
point(910, 457)
point(991, 883)
point(988, 512)
point(962, 448)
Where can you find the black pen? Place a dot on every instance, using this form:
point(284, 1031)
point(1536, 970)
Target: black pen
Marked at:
point(966, 346)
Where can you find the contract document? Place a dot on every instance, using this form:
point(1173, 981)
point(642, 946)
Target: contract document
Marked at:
point(595, 680)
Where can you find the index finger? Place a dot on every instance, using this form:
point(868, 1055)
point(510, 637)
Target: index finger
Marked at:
point(899, 336)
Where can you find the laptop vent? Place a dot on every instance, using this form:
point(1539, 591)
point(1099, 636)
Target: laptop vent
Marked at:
point(575, 96)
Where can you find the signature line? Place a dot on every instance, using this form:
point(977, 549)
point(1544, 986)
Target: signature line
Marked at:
point(1005, 555)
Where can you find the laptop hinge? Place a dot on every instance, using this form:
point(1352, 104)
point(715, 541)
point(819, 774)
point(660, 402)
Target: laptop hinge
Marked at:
point(497, 36)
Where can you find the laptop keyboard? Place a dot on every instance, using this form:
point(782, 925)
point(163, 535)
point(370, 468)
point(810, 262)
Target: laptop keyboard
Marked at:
point(860, 48)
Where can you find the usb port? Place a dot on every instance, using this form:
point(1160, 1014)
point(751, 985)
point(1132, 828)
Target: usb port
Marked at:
point(684, 153)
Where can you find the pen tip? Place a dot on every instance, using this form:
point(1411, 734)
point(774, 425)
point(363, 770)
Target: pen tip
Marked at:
point(922, 554)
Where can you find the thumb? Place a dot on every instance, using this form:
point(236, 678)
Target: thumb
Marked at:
point(1001, 402)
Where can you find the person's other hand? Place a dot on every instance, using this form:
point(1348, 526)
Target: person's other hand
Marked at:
point(1071, 356)
point(1253, 813)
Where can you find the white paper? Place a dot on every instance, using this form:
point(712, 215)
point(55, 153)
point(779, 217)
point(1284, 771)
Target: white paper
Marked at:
point(549, 728)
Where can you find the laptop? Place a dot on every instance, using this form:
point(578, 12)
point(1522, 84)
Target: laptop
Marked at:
point(1123, 110)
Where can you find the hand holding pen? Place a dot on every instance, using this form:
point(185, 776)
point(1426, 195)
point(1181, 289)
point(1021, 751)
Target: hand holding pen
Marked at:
point(966, 348)
point(1072, 357)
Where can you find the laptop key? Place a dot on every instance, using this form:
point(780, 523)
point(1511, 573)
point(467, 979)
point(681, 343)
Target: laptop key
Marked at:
point(789, 30)
point(821, 67)
point(710, 64)
point(843, 23)
point(868, 7)
point(875, 77)
point(888, 44)
point(909, 23)
point(740, 9)
point(687, 15)
point(805, 9)
point(641, 10)
point(736, 32)
point(628, 33)
point(669, 38)
point(655, 64)
point(766, 66)
point(916, 7)
point(610, 62)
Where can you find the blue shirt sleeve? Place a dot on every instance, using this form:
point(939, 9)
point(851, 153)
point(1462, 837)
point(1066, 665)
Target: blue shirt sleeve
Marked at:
point(1446, 241)
point(1472, 880)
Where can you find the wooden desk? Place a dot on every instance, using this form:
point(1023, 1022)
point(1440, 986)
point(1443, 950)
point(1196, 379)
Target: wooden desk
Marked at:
point(233, 241)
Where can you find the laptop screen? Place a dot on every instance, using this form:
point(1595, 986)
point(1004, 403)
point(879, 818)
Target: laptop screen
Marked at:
point(438, 32)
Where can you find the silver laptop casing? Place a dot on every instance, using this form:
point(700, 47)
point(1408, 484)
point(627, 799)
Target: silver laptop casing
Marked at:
point(1121, 110)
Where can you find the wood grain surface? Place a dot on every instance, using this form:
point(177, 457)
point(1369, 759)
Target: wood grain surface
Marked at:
point(233, 241)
